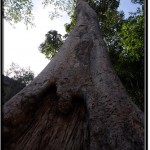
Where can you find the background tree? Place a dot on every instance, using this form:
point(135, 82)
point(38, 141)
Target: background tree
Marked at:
point(130, 62)
point(10, 87)
point(22, 75)
point(51, 44)
point(15, 79)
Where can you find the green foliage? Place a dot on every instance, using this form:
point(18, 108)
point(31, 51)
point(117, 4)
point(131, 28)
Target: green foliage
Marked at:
point(59, 6)
point(132, 37)
point(51, 44)
point(132, 77)
point(70, 26)
point(128, 56)
point(102, 6)
point(15, 11)
point(111, 26)
point(110, 21)
point(141, 2)
point(19, 74)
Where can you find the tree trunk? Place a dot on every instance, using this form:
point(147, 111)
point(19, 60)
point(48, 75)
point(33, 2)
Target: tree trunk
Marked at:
point(77, 102)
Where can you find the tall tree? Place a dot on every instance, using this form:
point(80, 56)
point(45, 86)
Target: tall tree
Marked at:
point(126, 50)
point(77, 101)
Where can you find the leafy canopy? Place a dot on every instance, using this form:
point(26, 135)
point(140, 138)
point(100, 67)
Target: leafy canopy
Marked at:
point(51, 44)
point(128, 56)
point(15, 11)
point(132, 37)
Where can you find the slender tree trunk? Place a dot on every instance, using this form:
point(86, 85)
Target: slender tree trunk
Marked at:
point(77, 102)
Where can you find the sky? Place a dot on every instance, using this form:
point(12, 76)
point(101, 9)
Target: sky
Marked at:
point(21, 45)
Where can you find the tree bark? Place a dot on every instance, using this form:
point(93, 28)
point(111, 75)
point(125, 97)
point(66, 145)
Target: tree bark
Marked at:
point(76, 102)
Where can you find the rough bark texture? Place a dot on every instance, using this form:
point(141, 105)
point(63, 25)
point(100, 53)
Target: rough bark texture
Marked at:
point(77, 102)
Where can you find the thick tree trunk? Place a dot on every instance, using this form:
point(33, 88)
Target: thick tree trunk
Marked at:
point(76, 102)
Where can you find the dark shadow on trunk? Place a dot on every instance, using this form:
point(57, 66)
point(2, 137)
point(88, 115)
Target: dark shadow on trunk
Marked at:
point(50, 129)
